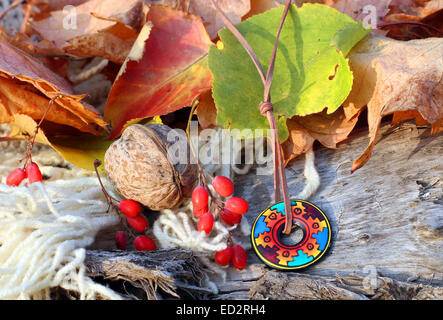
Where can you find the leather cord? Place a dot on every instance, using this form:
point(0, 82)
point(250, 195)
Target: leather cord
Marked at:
point(267, 109)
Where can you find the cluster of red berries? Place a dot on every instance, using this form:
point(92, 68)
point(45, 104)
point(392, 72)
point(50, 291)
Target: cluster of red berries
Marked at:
point(31, 171)
point(235, 254)
point(131, 209)
point(231, 212)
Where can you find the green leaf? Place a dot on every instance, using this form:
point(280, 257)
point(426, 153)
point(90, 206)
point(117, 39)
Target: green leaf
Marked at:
point(311, 72)
point(346, 38)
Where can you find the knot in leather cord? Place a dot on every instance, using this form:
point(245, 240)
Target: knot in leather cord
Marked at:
point(265, 107)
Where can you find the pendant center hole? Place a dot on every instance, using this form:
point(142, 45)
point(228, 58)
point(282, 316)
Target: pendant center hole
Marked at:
point(295, 237)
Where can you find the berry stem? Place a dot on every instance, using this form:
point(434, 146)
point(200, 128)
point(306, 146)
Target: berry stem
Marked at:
point(230, 241)
point(188, 135)
point(109, 198)
point(37, 128)
point(218, 202)
point(201, 171)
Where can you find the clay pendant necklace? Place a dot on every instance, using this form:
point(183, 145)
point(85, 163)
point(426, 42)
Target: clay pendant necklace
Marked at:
point(273, 223)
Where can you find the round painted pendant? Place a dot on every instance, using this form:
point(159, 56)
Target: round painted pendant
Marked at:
point(307, 243)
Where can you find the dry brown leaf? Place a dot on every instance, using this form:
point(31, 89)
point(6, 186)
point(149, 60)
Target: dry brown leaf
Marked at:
point(391, 76)
point(234, 9)
point(419, 8)
point(106, 29)
point(260, 6)
point(20, 99)
point(25, 43)
point(433, 5)
point(414, 13)
point(44, 7)
point(53, 29)
point(355, 8)
point(328, 129)
point(27, 86)
point(100, 44)
point(429, 21)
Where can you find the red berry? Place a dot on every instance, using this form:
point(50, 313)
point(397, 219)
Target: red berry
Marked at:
point(129, 208)
point(143, 243)
point(33, 173)
point(139, 223)
point(237, 205)
point(120, 240)
point(223, 186)
point(15, 177)
point(200, 197)
point(206, 222)
point(230, 218)
point(223, 257)
point(239, 259)
point(198, 212)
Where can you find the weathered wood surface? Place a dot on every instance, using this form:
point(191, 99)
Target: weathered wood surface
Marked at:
point(387, 222)
point(386, 218)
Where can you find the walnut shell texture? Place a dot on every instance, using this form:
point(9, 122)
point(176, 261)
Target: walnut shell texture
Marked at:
point(139, 166)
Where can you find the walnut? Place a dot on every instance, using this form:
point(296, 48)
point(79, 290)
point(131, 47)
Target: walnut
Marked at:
point(141, 166)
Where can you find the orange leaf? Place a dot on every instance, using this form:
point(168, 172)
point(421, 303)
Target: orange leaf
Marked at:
point(260, 6)
point(328, 129)
point(165, 71)
point(26, 87)
point(419, 121)
point(409, 114)
point(206, 110)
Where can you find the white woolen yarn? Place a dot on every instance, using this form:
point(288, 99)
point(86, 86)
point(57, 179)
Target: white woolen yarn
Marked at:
point(44, 230)
point(45, 227)
point(311, 175)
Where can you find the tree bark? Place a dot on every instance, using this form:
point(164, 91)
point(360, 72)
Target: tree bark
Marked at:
point(166, 273)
